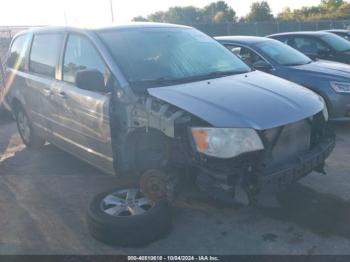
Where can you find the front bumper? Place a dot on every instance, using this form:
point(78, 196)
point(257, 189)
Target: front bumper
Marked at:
point(274, 179)
point(300, 167)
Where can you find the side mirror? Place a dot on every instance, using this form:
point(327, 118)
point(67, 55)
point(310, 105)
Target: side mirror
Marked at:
point(90, 79)
point(262, 65)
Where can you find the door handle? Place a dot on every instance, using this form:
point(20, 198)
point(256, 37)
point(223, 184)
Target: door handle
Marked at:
point(63, 95)
point(47, 91)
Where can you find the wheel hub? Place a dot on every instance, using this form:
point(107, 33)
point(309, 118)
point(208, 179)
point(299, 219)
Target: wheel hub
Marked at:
point(126, 202)
point(153, 184)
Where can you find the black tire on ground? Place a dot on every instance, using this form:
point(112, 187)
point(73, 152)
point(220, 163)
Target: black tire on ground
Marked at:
point(31, 140)
point(137, 230)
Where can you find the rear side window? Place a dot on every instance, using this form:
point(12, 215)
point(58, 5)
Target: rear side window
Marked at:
point(309, 45)
point(80, 55)
point(45, 53)
point(18, 51)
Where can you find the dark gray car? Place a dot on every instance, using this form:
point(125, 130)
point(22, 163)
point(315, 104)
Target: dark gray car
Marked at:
point(319, 44)
point(329, 79)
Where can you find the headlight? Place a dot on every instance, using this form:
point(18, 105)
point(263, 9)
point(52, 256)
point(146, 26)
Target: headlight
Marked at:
point(226, 142)
point(341, 87)
point(325, 109)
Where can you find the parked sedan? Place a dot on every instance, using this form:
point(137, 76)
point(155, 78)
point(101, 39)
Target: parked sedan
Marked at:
point(322, 45)
point(340, 32)
point(329, 79)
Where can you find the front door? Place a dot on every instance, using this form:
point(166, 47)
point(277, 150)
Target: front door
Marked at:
point(81, 122)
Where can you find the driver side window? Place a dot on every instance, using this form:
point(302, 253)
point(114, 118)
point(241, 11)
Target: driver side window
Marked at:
point(80, 54)
point(247, 55)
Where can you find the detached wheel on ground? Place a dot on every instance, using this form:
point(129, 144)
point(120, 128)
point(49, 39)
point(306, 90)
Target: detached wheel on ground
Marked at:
point(26, 131)
point(126, 217)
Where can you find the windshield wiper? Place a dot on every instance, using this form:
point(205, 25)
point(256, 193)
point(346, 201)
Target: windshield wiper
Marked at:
point(299, 64)
point(162, 81)
point(215, 74)
point(155, 81)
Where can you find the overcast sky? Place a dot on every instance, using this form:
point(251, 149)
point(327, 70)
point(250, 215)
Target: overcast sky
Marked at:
point(97, 12)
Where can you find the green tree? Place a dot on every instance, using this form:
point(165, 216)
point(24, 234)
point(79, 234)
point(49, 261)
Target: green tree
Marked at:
point(260, 11)
point(343, 11)
point(327, 9)
point(309, 13)
point(139, 19)
point(331, 5)
point(286, 14)
point(159, 16)
point(183, 15)
point(218, 12)
point(177, 15)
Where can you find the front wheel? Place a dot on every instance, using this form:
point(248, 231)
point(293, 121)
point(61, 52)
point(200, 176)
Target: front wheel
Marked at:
point(126, 217)
point(26, 131)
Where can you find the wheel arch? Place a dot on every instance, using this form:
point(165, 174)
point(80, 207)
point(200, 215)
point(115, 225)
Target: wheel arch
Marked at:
point(148, 144)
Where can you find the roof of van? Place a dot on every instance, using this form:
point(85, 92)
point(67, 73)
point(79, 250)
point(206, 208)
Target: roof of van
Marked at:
point(109, 27)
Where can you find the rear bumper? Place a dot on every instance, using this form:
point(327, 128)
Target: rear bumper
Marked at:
point(273, 179)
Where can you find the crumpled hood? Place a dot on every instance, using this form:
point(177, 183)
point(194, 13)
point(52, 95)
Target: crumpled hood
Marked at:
point(327, 69)
point(256, 100)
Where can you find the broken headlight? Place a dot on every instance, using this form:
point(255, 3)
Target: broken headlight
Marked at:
point(226, 142)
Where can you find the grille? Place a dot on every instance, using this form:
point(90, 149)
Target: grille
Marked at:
point(293, 140)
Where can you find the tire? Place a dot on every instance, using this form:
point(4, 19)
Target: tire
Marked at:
point(26, 131)
point(132, 230)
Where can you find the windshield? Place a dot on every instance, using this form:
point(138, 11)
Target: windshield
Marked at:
point(282, 54)
point(169, 55)
point(346, 36)
point(336, 42)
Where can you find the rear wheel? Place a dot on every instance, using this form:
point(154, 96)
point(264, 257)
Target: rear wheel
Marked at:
point(26, 131)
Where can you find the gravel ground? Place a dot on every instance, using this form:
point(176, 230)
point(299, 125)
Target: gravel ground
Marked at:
point(44, 195)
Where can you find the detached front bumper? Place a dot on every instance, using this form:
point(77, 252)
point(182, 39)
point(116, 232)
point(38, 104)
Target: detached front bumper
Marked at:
point(224, 187)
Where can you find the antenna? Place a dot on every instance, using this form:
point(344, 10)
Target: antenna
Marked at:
point(65, 17)
point(112, 12)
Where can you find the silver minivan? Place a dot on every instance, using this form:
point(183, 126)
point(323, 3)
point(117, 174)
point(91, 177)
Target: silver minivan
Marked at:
point(143, 100)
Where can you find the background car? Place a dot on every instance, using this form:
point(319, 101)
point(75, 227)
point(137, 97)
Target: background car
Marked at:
point(319, 44)
point(329, 79)
point(340, 32)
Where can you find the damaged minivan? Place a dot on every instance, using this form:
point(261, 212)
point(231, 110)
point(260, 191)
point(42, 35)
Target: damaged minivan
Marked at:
point(156, 104)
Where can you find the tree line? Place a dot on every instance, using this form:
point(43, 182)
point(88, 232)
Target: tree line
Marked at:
point(260, 11)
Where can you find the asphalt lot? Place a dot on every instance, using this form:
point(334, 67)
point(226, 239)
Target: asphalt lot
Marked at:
point(44, 195)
